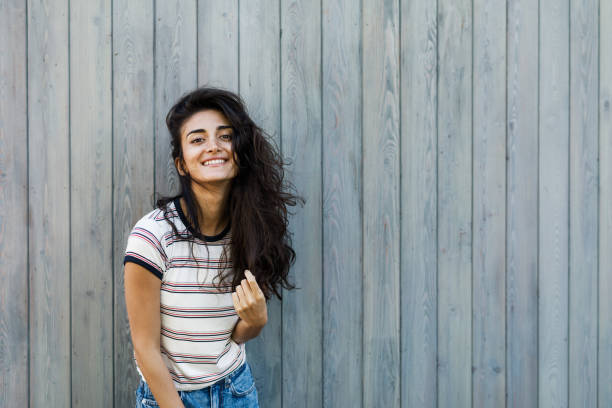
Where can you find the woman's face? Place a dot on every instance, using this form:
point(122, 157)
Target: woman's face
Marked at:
point(206, 136)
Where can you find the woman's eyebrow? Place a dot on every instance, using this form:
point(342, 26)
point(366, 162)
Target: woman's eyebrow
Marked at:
point(204, 130)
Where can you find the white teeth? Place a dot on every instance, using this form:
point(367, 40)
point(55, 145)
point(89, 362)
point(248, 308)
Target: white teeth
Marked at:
point(213, 162)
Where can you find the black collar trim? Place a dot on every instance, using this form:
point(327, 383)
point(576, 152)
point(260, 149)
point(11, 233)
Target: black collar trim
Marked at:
point(207, 238)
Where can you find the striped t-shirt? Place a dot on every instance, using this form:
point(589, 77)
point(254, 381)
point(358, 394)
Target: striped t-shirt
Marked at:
point(197, 318)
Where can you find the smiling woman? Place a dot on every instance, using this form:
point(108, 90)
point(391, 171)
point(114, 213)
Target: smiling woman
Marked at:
point(200, 267)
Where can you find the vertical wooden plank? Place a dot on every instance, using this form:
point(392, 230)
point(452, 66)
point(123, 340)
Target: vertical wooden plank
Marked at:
point(259, 84)
point(301, 144)
point(259, 26)
point(419, 75)
point(522, 206)
point(381, 206)
point(605, 209)
point(91, 203)
point(583, 203)
point(175, 74)
point(49, 185)
point(489, 205)
point(13, 197)
point(553, 204)
point(218, 43)
point(133, 140)
point(454, 203)
point(342, 191)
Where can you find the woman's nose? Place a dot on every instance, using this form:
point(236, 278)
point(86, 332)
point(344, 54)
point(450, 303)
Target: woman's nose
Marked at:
point(211, 144)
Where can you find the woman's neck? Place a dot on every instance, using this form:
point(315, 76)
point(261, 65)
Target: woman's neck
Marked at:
point(213, 206)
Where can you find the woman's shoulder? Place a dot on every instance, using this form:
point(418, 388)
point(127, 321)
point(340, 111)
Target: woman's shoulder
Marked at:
point(157, 221)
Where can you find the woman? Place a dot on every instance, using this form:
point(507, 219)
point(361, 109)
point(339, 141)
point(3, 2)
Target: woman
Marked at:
point(200, 267)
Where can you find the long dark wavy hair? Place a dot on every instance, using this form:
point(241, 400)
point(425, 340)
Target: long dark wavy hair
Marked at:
point(258, 199)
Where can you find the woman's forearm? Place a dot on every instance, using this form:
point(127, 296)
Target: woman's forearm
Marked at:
point(158, 378)
point(243, 332)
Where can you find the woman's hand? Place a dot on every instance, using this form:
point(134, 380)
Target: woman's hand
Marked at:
point(250, 303)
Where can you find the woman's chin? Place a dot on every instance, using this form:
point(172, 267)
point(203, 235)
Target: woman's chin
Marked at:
point(213, 181)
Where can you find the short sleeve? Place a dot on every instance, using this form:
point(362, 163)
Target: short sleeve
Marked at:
point(144, 247)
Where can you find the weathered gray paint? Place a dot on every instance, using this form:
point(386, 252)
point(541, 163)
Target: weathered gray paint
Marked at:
point(49, 185)
point(91, 210)
point(302, 335)
point(380, 169)
point(489, 204)
point(418, 291)
point(218, 43)
point(553, 205)
point(14, 221)
point(522, 205)
point(342, 203)
point(133, 166)
point(604, 345)
point(583, 203)
point(456, 161)
point(454, 210)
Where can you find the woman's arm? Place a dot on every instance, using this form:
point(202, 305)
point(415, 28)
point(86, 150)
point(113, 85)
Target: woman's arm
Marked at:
point(243, 332)
point(142, 299)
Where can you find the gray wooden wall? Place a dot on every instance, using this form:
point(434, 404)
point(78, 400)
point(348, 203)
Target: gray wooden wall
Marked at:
point(455, 249)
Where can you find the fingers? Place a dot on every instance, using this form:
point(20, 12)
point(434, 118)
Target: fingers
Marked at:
point(247, 293)
point(244, 291)
point(255, 289)
point(236, 301)
point(249, 301)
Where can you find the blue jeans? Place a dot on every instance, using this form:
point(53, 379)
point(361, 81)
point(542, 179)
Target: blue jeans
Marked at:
point(235, 390)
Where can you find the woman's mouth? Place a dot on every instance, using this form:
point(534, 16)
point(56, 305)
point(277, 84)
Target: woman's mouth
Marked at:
point(214, 163)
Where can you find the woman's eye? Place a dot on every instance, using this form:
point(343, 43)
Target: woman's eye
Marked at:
point(200, 139)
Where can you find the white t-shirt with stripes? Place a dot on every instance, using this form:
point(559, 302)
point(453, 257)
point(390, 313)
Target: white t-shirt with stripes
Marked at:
point(197, 317)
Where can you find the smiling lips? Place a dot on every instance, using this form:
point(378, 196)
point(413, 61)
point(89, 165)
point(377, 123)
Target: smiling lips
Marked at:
point(214, 162)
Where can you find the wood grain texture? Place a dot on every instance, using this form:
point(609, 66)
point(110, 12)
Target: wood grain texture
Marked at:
point(133, 167)
point(522, 206)
point(302, 329)
point(91, 203)
point(419, 74)
point(176, 73)
point(583, 203)
point(381, 205)
point(342, 211)
point(489, 209)
point(218, 43)
point(604, 349)
point(553, 205)
point(454, 203)
point(14, 274)
point(49, 198)
point(434, 156)
point(259, 84)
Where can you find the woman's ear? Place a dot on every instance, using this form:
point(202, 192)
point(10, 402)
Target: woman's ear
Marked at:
point(178, 162)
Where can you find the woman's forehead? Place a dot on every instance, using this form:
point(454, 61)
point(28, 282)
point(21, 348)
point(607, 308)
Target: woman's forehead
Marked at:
point(207, 120)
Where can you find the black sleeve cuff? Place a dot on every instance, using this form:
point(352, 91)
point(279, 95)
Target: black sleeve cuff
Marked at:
point(145, 265)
